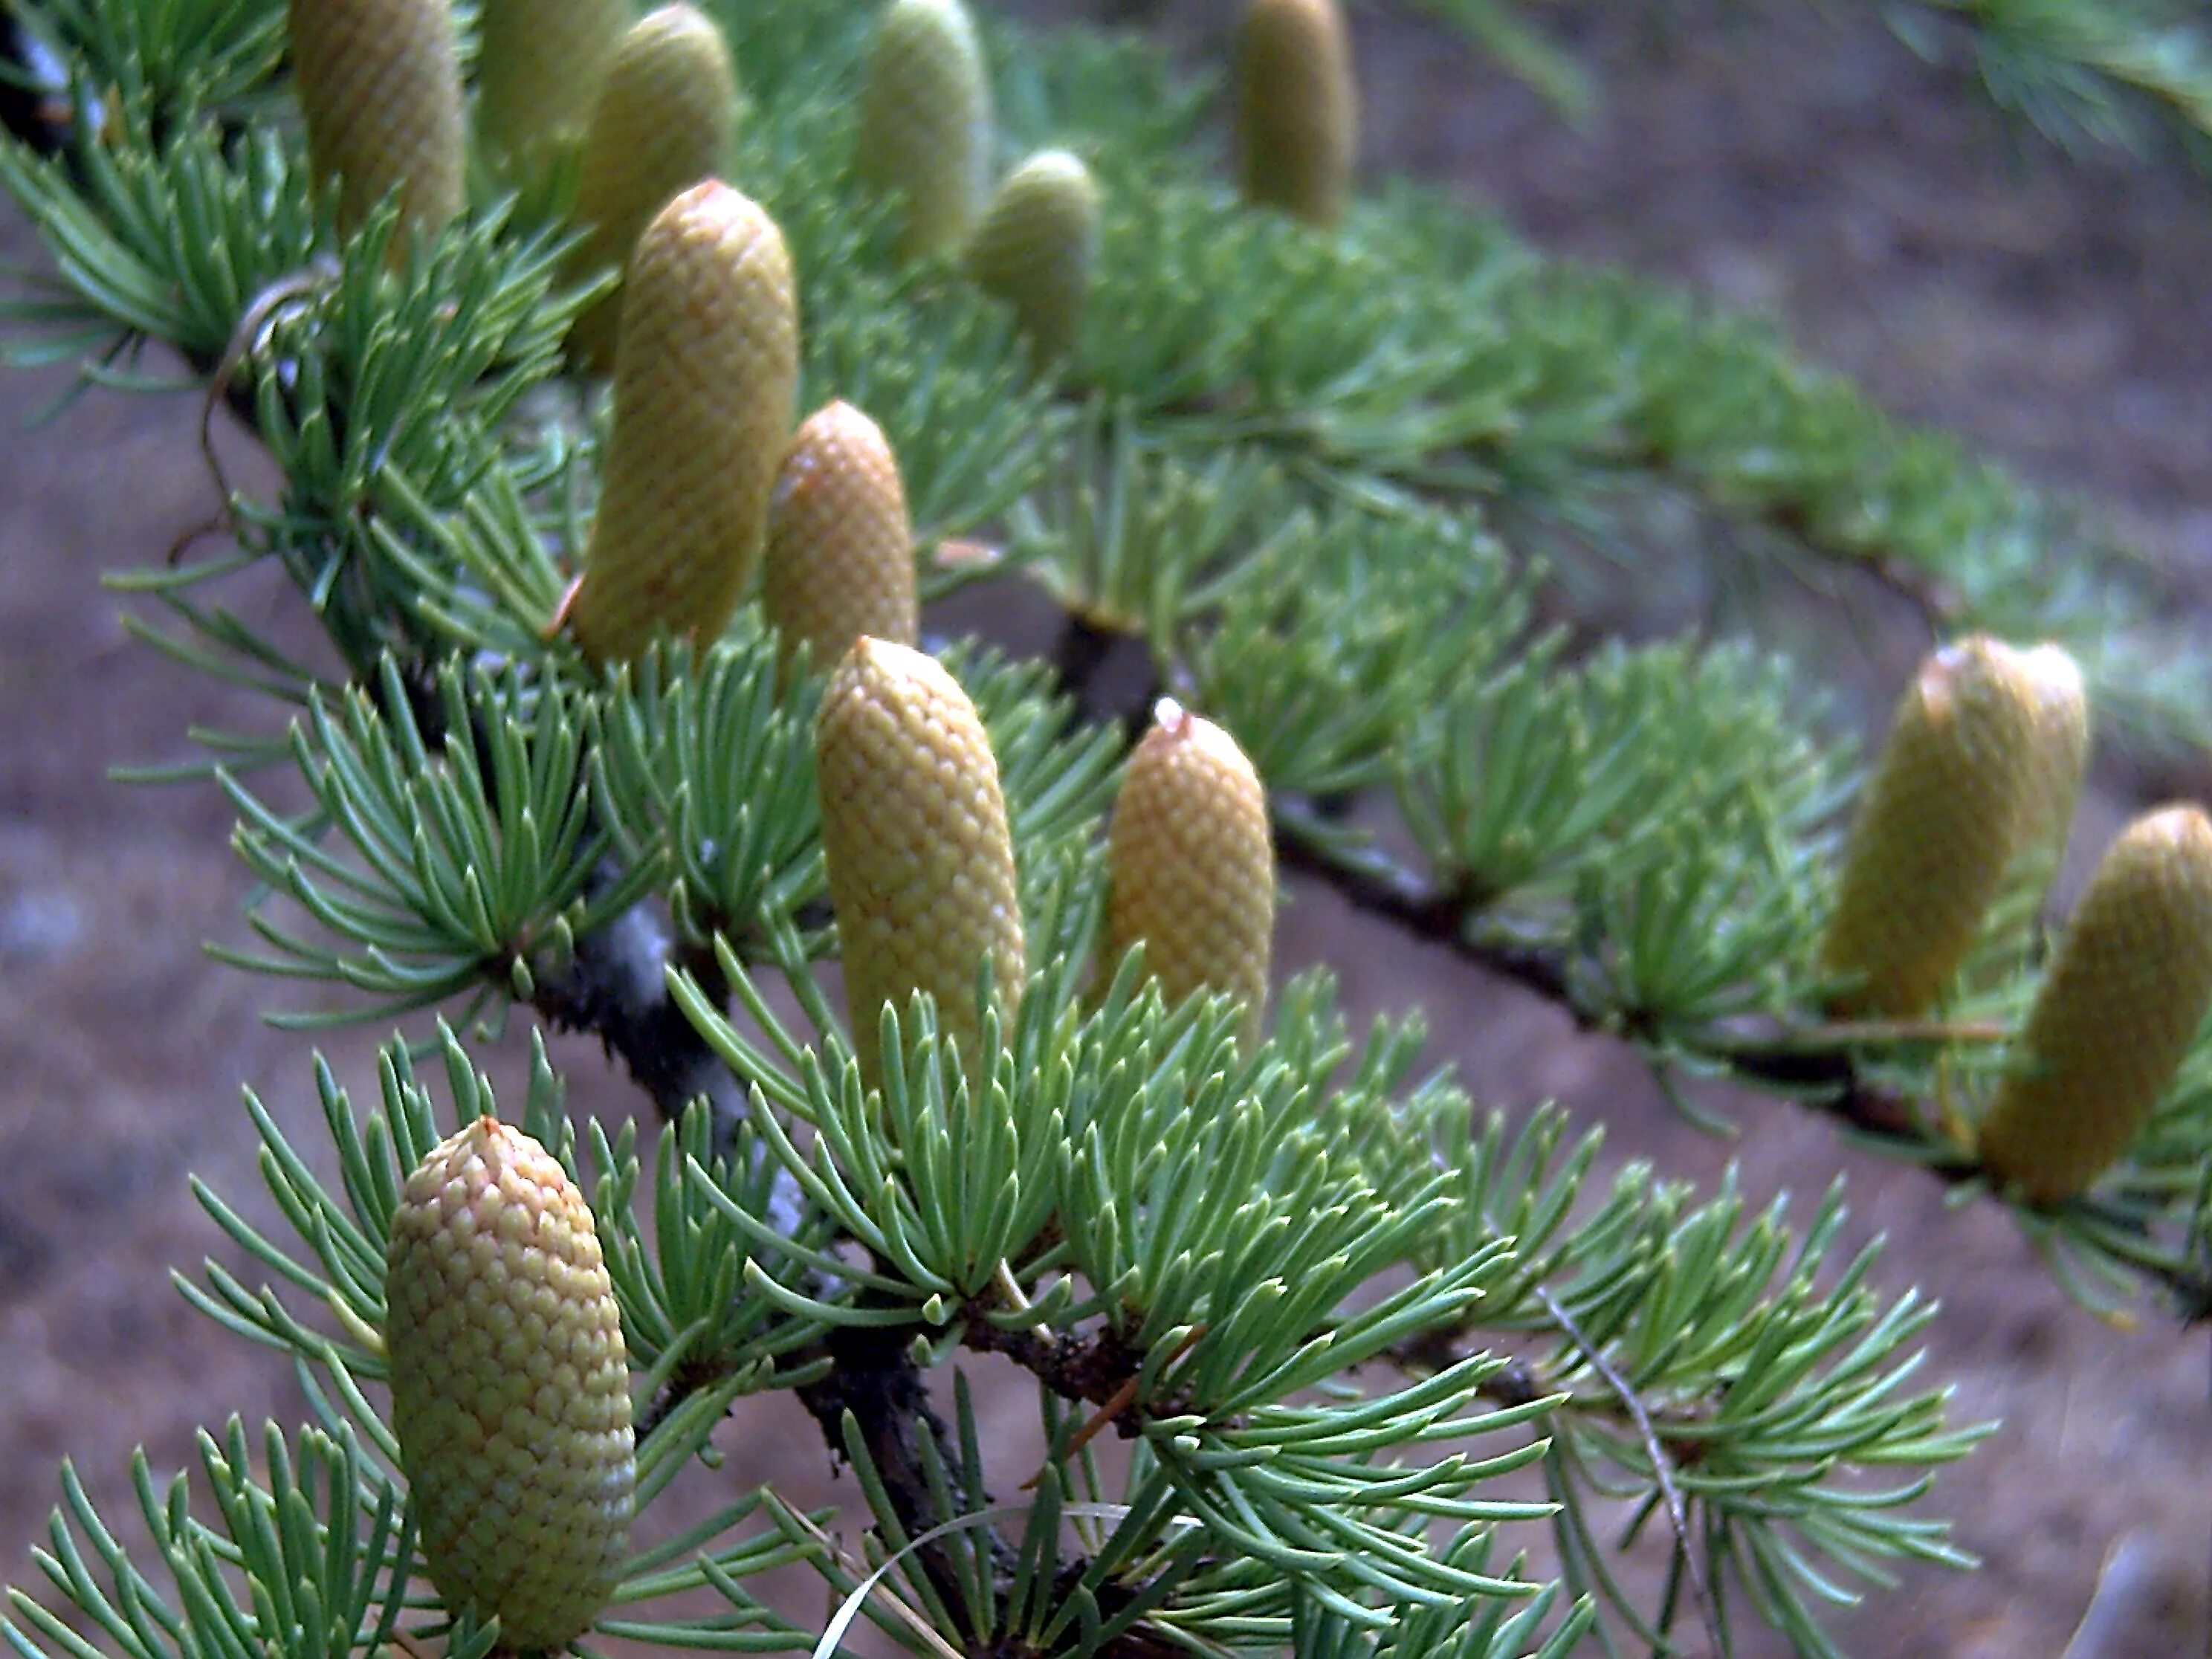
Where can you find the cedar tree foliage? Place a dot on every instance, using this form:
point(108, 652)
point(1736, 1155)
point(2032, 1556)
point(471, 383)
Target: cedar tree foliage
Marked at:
point(1330, 1358)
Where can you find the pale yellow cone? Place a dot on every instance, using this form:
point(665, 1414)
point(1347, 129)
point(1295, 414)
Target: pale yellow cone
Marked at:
point(705, 379)
point(380, 91)
point(1297, 108)
point(1037, 246)
point(920, 860)
point(665, 117)
point(1191, 864)
point(2126, 990)
point(840, 560)
point(925, 122)
point(510, 1387)
point(1939, 825)
point(2062, 727)
point(539, 63)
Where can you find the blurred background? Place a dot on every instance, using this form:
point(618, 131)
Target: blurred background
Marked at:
point(1787, 159)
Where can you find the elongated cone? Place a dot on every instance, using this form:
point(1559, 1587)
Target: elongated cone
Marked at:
point(2062, 732)
point(381, 94)
point(1939, 825)
point(666, 118)
point(1297, 108)
point(2126, 990)
point(539, 63)
point(704, 382)
point(925, 123)
point(1037, 246)
point(1191, 864)
point(840, 546)
point(921, 864)
point(510, 1386)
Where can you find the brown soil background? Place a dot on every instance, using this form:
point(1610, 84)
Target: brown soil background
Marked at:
point(1806, 168)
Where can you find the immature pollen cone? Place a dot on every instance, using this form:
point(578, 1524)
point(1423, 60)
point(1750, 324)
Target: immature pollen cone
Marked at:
point(538, 65)
point(921, 864)
point(1036, 246)
point(510, 1386)
point(666, 118)
point(1940, 823)
point(704, 382)
point(926, 121)
point(2062, 730)
point(1191, 864)
point(840, 559)
point(2125, 992)
point(1298, 109)
point(381, 95)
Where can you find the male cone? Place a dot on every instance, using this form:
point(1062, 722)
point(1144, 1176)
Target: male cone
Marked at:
point(1296, 110)
point(510, 1387)
point(925, 122)
point(380, 92)
point(666, 118)
point(705, 378)
point(1035, 248)
point(840, 545)
point(1959, 778)
point(2125, 992)
point(922, 862)
point(1191, 864)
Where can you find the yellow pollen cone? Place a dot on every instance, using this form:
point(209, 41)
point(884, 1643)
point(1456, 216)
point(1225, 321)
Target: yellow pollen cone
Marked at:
point(840, 559)
point(539, 63)
point(2126, 990)
point(665, 119)
point(926, 124)
point(381, 94)
point(1939, 824)
point(1037, 246)
point(922, 863)
point(1297, 108)
point(510, 1387)
point(704, 380)
point(1191, 864)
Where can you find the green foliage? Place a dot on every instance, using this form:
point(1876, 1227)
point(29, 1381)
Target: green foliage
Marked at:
point(1359, 1347)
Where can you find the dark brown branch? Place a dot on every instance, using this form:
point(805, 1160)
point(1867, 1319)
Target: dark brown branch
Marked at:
point(1090, 1369)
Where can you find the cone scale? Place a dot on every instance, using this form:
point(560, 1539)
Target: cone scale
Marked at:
point(380, 91)
point(665, 119)
point(705, 378)
point(840, 560)
point(1191, 864)
point(2127, 989)
point(921, 860)
point(510, 1387)
point(1296, 109)
point(1939, 825)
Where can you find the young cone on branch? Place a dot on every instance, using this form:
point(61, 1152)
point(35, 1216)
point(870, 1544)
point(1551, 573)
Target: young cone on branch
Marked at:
point(1963, 768)
point(666, 118)
point(1297, 108)
point(839, 558)
point(1191, 864)
point(925, 122)
point(1035, 248)
point(381, 95)
point(705, 378)
point(510, 1386)
point(2062, 727)
point(2125, 992)
point(921, 864)
point(538, 66)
